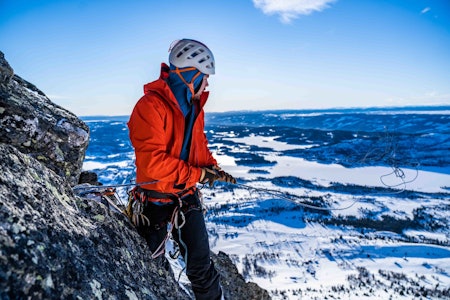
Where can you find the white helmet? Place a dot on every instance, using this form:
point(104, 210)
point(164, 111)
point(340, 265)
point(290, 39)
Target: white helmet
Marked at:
point(190, 53)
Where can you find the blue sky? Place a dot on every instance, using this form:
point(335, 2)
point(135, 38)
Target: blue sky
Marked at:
point(93, 57)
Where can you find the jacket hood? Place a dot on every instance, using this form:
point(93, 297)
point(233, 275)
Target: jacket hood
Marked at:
point(163, 89)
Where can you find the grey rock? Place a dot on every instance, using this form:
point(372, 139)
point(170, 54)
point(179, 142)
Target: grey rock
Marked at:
point(233, 284)
point(55, 245)
point(89, 177)
point(6, 72)
point(38, 127)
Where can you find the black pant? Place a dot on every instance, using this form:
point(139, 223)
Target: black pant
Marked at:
point(199, 267)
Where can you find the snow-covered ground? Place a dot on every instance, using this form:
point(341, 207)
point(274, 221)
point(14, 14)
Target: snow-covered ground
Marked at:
point(298, 259)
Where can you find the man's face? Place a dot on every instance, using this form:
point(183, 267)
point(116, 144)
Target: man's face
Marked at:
point(202, 87)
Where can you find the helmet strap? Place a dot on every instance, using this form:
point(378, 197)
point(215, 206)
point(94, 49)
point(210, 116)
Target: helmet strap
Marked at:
point(190, 85)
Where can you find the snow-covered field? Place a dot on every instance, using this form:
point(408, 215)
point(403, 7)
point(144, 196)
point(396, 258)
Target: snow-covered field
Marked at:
point(339, 204)
point(295, 255)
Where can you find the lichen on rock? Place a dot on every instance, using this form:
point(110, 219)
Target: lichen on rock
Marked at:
point(40, 128)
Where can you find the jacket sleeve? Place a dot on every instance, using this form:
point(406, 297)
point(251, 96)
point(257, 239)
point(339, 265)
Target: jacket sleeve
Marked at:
point(148, 137)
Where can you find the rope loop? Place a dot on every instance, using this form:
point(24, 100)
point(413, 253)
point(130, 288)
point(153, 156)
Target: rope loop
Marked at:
point(183, 218)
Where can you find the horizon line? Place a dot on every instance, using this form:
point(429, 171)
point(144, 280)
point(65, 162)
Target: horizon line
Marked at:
point(417, 107)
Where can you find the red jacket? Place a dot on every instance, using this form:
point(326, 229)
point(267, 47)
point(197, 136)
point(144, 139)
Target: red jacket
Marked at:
point(156, 129)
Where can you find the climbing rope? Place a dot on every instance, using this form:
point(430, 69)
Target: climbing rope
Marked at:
point(400, 174)
point(296, 199)
point(85, 186)
point(299, 200)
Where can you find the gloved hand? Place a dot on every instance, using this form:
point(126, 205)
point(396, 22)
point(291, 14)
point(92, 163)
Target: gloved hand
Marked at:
point(213, 173)
point(209, 175)
point(225, 177)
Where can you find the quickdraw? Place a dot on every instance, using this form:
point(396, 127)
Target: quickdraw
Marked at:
point(134, 211)
point(106, 194)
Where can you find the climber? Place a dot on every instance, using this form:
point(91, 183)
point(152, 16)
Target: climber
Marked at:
point(166, 129)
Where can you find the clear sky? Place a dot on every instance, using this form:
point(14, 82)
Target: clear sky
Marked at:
point(93, 56)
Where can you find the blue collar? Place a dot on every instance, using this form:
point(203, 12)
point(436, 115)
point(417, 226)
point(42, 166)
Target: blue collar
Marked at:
point(180, 90)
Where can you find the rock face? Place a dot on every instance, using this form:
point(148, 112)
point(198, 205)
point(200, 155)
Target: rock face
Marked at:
point(233, 283)
point(56, 245)
point(33, 124)
point(6, 72)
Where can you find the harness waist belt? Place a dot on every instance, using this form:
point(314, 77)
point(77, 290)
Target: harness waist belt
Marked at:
point(172, 196)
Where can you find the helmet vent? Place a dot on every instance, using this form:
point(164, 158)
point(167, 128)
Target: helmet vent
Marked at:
point(187, 47)
point(203, 59)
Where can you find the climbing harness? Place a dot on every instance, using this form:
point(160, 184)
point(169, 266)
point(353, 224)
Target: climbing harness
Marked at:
point(139, 197)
